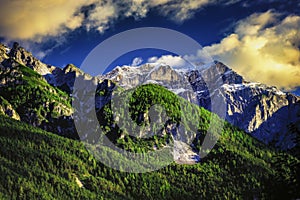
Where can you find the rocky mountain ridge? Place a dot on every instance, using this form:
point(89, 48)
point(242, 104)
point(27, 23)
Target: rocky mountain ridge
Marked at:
point(62, 78)
point(37, 93)
point(264, 112)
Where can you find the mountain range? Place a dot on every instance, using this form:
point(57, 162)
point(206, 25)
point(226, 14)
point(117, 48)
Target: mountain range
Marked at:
point(263, 111)
point(264, 122)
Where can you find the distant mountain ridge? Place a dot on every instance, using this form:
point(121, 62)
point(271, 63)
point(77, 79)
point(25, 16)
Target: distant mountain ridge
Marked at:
point(263, 111)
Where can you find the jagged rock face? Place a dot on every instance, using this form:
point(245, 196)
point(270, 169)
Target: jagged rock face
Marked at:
point(62, 78)
point(130, 77)
point(3, 52)
point(26, 58)
point(104, 93)
point(277, 128)
point(253, 107)
point(258, 110)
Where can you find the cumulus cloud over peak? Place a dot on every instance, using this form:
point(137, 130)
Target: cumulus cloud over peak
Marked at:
point(263, 47)
point(173, 61)
point(255, 23)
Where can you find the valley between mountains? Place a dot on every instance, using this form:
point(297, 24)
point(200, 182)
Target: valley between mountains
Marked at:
point(44, 157)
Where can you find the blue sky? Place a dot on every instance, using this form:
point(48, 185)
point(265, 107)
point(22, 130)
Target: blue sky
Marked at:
point(258, 39)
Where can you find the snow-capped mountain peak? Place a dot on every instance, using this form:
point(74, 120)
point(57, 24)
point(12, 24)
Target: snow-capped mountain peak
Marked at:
point(254, 107)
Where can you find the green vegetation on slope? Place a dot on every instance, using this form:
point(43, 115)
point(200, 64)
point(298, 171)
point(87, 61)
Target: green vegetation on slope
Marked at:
point(30, 91)
point(169, 111)
point(36, 101)
point(38, 164)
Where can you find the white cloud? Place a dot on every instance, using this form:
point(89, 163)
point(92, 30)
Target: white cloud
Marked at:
point(100, 17)
point(152, 59)
point(137, 61)
point(40, 54)
point(31, 19)
point(173, 61)
point(35, 19)
point(263, 48)
point(182, 10)
point(75, 22)
point(137, 8)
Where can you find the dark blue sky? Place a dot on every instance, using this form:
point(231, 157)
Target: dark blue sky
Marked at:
point(209, 25)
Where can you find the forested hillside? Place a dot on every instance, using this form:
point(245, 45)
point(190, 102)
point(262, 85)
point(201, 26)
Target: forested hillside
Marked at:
point(37, 164)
